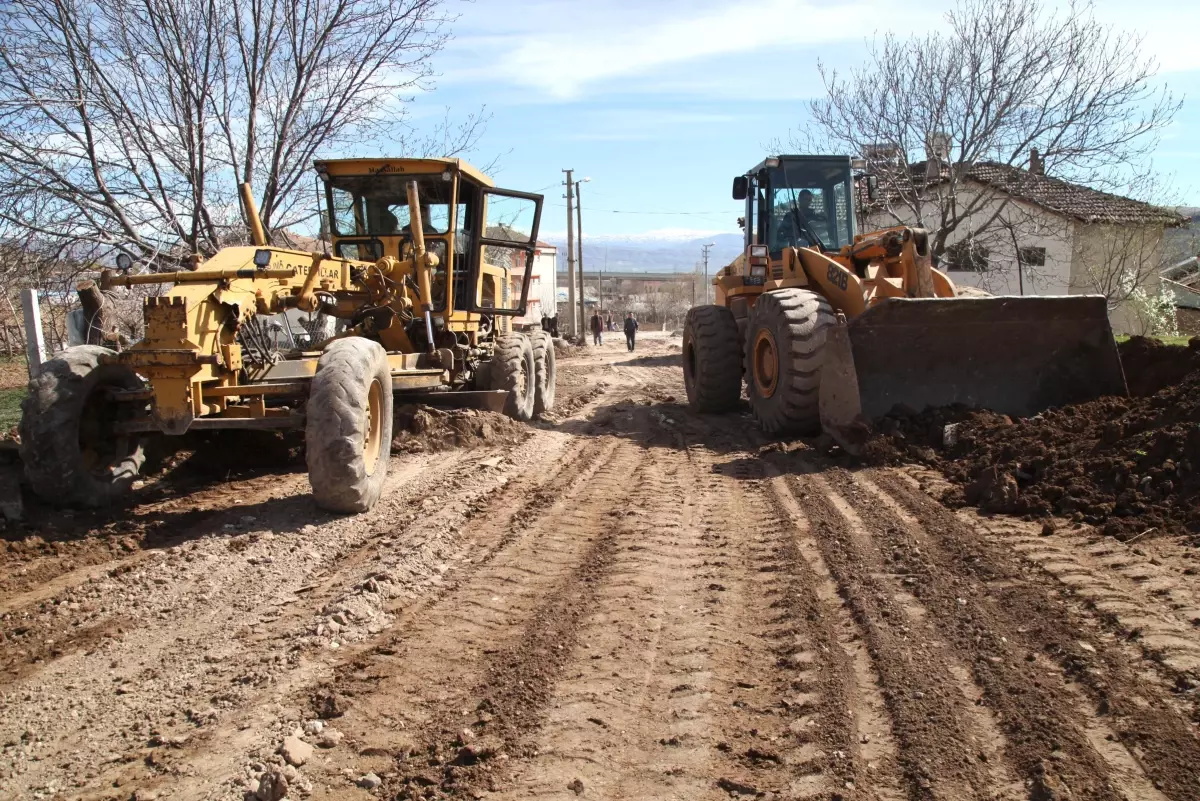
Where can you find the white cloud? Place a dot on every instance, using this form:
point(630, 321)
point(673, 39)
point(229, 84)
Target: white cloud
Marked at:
point(571, 48)
point(565, 49)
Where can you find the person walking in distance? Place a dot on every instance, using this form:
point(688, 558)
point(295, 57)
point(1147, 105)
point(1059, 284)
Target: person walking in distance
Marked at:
point(631, 327)
point(597, 329)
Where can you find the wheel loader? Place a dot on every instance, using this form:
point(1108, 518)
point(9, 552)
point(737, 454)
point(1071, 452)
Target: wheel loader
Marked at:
point(831, 329)
point(427, 265)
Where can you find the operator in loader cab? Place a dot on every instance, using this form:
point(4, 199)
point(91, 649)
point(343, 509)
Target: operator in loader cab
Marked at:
point(792, 232)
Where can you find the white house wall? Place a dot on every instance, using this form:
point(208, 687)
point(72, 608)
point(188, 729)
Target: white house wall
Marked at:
point(1033, 226)
point(1104, 253)
point(1077, 254)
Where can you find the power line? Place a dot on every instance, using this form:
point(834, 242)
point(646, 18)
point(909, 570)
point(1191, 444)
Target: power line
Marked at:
point(626, 211)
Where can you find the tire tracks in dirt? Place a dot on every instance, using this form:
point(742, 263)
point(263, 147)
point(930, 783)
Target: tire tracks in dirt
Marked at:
point(631, 720)
point(493, 648)
point(1073, 712)
point(514, 553)
point(1141, 604)
point(937, 747)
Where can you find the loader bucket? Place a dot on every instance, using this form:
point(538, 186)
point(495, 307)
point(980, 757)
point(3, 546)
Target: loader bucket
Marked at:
point(1013, 355)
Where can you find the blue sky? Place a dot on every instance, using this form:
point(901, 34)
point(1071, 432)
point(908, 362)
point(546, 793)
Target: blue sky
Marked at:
point(662, 102)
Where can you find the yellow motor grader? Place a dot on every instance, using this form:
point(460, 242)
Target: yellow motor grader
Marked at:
point(427, 265)
point(831, 329)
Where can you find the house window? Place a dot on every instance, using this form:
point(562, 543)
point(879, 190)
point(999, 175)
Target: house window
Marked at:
point(1032, 257)
point(966, 256)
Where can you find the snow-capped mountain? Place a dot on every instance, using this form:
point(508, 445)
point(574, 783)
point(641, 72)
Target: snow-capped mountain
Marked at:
point(663, 250)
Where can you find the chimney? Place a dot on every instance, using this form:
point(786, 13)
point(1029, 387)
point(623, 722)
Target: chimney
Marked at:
point(1036, 165)
point(937, 154)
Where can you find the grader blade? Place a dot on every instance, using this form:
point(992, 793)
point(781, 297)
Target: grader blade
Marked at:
point(1013, 355)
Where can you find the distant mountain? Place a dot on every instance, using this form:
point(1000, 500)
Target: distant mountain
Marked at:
point(668, 250)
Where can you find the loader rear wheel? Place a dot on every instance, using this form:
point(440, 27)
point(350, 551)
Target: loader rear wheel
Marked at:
point(785, 342)
point(71, 452)
point(712, 359)
point(513, 369)
point(348, 431)
point(545, 369)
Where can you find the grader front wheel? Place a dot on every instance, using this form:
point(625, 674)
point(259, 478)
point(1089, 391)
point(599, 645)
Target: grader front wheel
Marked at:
point(712, 359)
point(348, 431)
point(785, 342)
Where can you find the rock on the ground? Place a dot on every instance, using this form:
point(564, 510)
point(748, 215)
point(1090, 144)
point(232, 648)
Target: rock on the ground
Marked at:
point(369, 782)
point(329, 705)
point(295, 751)
point(272, 786)
point(330, 738)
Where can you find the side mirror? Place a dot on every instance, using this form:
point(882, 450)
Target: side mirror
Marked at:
point(872, 187)
point(740, 187)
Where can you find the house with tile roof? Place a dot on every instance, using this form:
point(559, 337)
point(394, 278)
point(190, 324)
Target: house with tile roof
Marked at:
point(1032, 234)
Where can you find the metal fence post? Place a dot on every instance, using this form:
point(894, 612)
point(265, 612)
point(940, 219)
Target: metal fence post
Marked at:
point(35, 346)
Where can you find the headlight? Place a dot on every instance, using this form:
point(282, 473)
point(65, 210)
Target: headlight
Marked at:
point(124, 262)
point(758, 251)
point(759, 271)
point(262, 258)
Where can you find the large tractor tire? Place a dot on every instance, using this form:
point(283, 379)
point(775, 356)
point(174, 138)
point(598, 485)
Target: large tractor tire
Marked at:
point(348, 431)
point(72, 455)
point(712, 359)
point(545, 371)
point(785, 342)
point(513, 369)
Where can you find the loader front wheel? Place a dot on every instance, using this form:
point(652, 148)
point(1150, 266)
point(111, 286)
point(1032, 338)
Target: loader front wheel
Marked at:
point(712, 359)
point(348, 430)
point(513, 369)
point(71, 451)
point(785, 342)
point(545, 371)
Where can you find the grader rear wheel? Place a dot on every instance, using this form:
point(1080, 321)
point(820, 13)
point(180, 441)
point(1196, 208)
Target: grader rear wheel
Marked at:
point(712, 359)
point(71, 452)
point(348, 431)
point(545, 371)
point(785, 342)
point(512, 368)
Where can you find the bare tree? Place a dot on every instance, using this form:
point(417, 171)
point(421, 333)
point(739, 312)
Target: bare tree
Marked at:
point(127, 124)
point(1010, 83)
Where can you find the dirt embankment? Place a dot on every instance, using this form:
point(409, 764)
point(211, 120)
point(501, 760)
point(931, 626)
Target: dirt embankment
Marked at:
point(1126, 465)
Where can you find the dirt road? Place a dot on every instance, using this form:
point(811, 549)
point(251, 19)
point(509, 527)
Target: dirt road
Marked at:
point(632, 602)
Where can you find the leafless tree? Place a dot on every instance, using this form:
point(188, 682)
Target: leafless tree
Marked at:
point(1006, 78)
point(126, 125)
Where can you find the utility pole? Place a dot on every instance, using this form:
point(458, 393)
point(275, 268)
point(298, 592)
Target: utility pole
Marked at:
point(705, 249)
point(571, 255)
point(583, 320)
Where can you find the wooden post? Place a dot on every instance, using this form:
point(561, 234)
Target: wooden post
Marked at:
point(35, 346)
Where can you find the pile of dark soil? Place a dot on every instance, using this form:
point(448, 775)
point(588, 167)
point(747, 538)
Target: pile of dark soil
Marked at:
point(424, 428)
point(1126, 465)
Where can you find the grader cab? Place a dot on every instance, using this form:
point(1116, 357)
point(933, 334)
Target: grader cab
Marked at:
point(427, 265)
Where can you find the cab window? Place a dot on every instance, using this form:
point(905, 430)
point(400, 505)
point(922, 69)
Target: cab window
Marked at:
point(377, 205)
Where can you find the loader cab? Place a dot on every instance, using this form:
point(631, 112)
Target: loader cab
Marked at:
point(798, 201)
point(483, 237)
